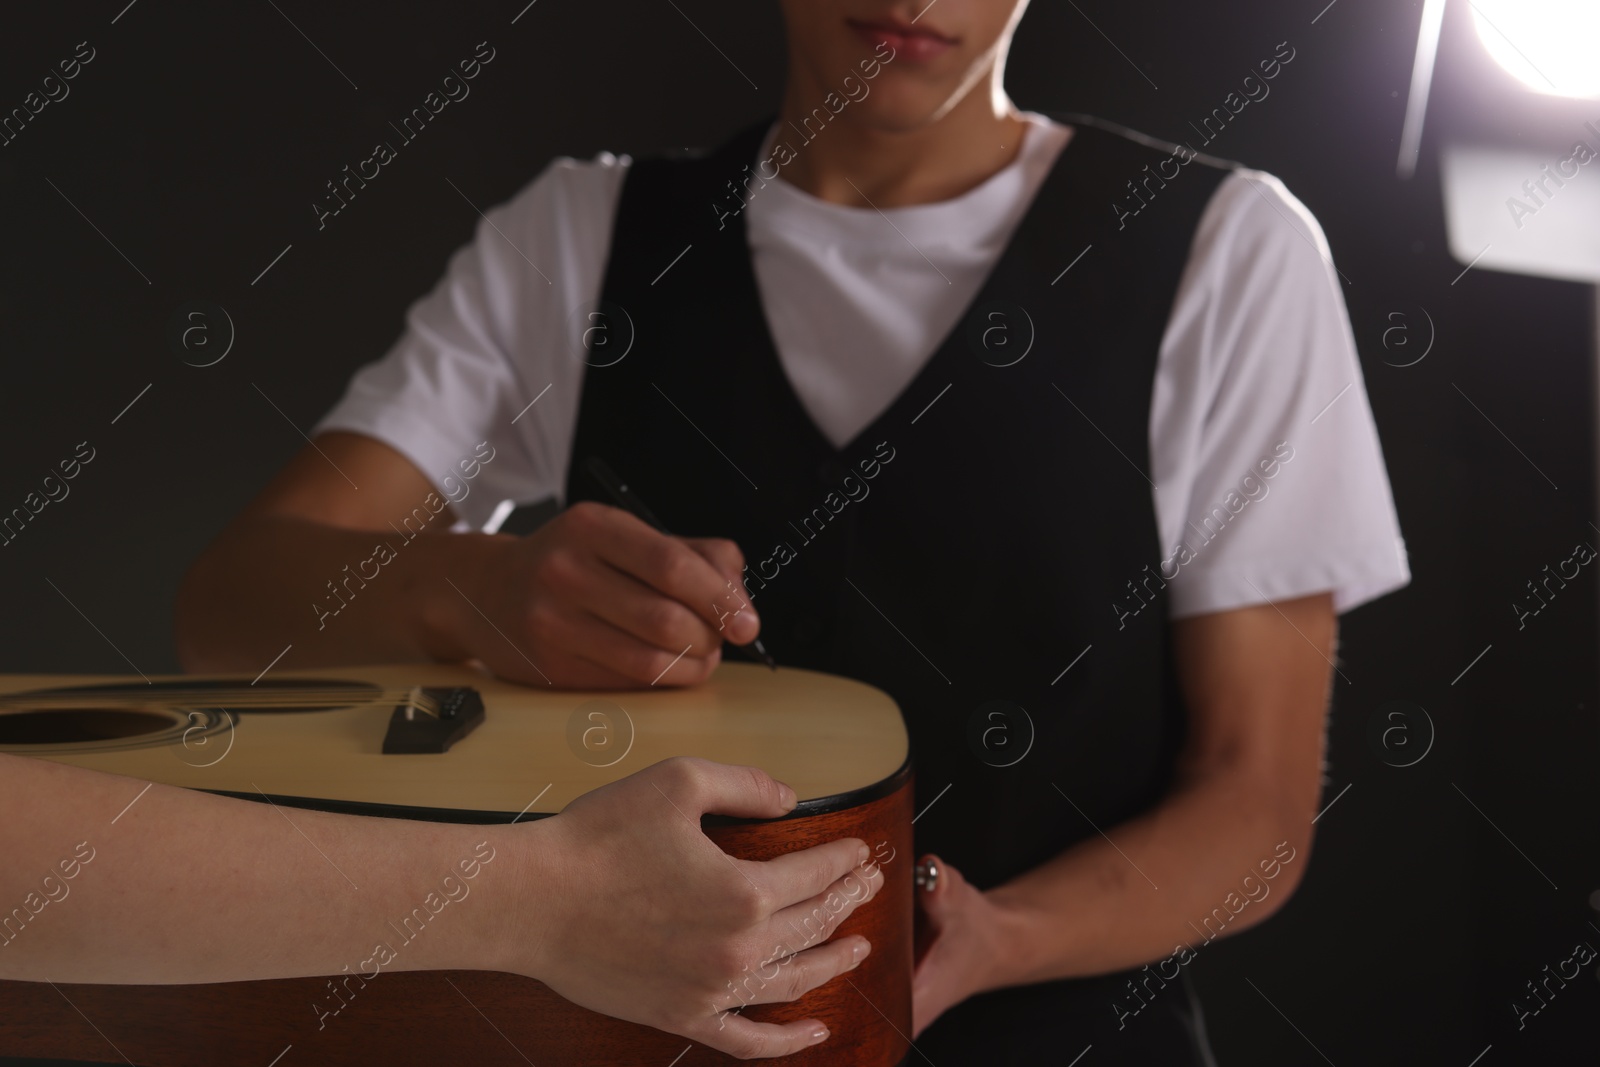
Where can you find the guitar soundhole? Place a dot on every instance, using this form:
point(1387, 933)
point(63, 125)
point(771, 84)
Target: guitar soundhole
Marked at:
point(70, 725)
point(114, 716)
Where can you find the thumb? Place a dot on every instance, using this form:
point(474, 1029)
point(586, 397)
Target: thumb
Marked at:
point(743, 792)
point(725, 556)
point(937, 903)
point(737, 617)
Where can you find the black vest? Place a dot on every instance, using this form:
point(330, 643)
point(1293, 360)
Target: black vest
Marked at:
point(985, 550)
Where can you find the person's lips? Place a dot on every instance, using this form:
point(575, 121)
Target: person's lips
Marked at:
point(912, 42)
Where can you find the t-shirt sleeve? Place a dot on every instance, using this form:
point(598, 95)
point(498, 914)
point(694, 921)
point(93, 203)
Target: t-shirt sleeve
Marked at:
point(482, 367)
point(1270, 481)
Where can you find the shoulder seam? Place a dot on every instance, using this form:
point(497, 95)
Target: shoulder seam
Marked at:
point(1076, 118)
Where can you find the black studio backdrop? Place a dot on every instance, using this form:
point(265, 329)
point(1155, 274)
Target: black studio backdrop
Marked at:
point(182, 168)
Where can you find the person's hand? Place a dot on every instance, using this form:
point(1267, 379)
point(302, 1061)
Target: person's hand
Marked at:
point(638, 915)
point(966, 935)
point(598, 599)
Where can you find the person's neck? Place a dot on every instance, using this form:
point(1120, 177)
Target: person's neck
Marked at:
point(847, 163)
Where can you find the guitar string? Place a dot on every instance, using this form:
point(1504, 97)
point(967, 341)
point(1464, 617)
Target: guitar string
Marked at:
point(241, 696)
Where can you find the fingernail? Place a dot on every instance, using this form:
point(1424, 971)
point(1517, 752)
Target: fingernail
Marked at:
point(862, 853)
point(860, 951)
point(786, 796)
point(819, 1035)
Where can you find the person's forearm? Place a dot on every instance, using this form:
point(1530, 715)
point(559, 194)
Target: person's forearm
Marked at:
point(1193, 868)
point(113, 882)
point(338, 596)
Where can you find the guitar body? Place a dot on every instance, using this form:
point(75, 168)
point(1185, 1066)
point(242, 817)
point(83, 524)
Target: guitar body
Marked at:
point(317, 739)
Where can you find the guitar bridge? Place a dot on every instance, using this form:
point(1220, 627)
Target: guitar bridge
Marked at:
point(430, 720)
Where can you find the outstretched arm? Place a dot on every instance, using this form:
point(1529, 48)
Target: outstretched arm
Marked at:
point(230, 890)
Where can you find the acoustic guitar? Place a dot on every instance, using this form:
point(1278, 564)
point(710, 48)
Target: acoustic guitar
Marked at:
point(450, 743)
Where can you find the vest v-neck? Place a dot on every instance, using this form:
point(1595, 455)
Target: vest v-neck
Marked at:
point(741, 272)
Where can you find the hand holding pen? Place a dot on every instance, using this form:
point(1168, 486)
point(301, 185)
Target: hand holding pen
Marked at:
point(595, 598)
point(626, 498)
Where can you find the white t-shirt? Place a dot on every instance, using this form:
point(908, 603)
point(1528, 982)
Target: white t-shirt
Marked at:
point(1257, 354)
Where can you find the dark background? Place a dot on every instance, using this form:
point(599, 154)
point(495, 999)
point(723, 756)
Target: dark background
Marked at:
point(200, 135)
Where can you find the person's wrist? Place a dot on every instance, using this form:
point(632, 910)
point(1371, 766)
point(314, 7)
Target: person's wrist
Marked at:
point(449, 572)
point(509, 934)
point(1014, 960)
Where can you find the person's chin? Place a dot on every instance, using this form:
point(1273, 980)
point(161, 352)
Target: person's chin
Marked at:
point(898, 111)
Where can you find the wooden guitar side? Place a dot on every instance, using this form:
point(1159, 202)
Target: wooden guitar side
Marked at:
point(484, 1018)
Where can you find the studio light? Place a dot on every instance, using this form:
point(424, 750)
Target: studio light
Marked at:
point(1518, 131)
point(1549, 45)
